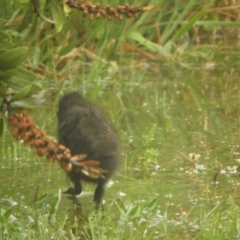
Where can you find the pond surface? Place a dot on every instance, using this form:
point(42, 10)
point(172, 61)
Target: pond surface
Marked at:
point(179, 131)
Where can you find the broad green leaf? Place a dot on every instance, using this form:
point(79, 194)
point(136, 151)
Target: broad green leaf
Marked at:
point(57, 14)
point(17, 83)
point(24, 104)
point(5, 44)
point(25, 74)
point(4, 75)
point(23, 93)
point(12, 58)
point(21, 79)
point(31, 34)
point(66, 8)
point(3, 35)
point(27, 18)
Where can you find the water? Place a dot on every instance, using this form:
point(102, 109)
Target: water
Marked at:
point(179, 130)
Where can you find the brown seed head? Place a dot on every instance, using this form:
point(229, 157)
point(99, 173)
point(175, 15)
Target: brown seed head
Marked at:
point(68, 167)
point(26, 136)
point(41, 151)
point(98, 15)
point(51, 148)
point(61, 148)
point(37, 143)
point(129, 15)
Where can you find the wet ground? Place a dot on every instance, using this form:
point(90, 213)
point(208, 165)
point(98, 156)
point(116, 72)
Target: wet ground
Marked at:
point(179, 131)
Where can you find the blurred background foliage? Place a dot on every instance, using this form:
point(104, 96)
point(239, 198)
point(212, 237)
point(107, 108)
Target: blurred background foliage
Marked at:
point(47, 39)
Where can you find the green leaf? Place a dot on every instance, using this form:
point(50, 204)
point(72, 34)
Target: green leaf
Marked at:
point(27, 18)
point(145, 42)
point(7, 74)
point(57, 14)
point(207, 23)
point(36, 56)
point(121, 206)
point(5, 44)
point(20, 79)
point(23, 93)
point(25, 74)
point(55, 204)
point(31, 33)
point(7, 213)
point(136, 211)
point(3, 35)
point(12, 58)
point(23, 104)
point(41, 199)
point(68, 48)
point(153, 205)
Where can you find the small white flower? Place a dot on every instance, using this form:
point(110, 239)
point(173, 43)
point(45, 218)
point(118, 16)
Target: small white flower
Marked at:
point(30, 219)
point(109, 184)
point(11, 219)
point(121, 194)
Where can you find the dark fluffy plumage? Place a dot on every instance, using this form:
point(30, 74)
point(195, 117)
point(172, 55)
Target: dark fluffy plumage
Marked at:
point(83, 128)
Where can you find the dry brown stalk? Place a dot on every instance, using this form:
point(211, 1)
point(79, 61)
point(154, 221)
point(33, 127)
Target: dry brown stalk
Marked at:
point(24, 128)
point(94, 10)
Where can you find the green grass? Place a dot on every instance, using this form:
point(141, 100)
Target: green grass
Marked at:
point(120, 219)
point(157, 193)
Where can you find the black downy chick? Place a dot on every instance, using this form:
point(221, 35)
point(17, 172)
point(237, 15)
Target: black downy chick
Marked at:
point(84, 130)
